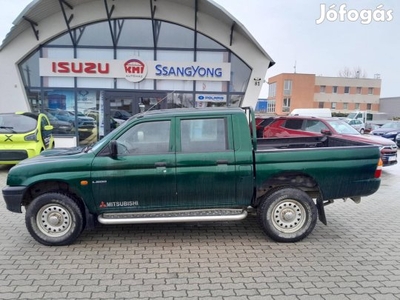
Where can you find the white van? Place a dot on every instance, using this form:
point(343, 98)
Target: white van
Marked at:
point(312, 112)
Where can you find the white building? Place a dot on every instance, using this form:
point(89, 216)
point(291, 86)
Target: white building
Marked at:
point(102, 56)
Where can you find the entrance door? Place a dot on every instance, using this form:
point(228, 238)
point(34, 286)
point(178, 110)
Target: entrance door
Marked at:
point(120, 106)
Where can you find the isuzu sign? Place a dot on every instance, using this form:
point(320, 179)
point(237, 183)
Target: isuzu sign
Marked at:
point(135, 70)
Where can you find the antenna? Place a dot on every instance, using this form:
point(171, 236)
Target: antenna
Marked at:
point(294, 67)
point(150, 108)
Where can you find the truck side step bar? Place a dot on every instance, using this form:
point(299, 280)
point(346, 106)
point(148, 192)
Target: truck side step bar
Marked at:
point(202, 215)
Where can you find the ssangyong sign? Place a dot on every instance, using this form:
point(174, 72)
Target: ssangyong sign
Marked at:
point(135, 70)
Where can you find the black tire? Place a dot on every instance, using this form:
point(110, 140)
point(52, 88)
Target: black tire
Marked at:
point(54, 219)
point(287, 215)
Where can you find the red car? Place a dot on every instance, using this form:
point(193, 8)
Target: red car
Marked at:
point(310, 126)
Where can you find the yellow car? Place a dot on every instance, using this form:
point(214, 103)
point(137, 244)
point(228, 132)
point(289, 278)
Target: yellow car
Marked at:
point(23, 135)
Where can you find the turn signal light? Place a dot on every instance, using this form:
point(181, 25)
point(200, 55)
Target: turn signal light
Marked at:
point(378, 171)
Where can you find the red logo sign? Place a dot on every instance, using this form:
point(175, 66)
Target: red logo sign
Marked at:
point(135, 70)
point(80, 67)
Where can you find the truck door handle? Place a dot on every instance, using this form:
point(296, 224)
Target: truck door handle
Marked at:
point(160, 164)
point(222, 162)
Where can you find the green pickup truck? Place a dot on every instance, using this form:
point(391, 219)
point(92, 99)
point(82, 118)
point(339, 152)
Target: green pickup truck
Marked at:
point(190, 165)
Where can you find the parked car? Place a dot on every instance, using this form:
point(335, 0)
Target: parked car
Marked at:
point(369, 126)
point(388, 130)
point(69, 116)
point(398, 140)
point(24, 135)
point(310, 126)
point(357, 124)
point(95, 115)
point(120, 114)
point(59, 127)
point(261, 122)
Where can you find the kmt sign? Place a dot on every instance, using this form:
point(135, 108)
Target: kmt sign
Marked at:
point(135, 70)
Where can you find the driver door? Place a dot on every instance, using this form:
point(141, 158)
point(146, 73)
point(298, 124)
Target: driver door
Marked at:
point(142, 176)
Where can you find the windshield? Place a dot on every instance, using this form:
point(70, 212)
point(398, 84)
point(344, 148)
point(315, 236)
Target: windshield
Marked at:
point(392, 125)
point(352, 116)
point(342, 127)
point(16, 123)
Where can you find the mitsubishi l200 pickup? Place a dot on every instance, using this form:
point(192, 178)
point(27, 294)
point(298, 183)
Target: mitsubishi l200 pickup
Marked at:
point(183, 165)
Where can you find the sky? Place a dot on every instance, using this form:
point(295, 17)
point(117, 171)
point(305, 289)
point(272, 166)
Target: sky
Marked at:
point(309, 36)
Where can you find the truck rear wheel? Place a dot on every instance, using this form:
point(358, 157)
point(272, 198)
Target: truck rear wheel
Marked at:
point(287, 215)
point(54, 219)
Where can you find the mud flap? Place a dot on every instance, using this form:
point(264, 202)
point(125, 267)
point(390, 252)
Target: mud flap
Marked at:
point(321, 211)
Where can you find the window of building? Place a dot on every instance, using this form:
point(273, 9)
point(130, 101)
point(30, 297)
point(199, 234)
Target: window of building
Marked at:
point(272, 90)
point(322, 88)
point(370, 91)
point(359, 89)
point(369, 106)
point(321, 104)
point(286, 105)
point(203, 135)
point(334, 89)
point(333, 105)
point(345, 105)
point(287, 87)
point(271, 106)
point(357, 106)
point(346, 89)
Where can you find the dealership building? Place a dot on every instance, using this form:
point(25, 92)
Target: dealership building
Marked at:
point(103, 57)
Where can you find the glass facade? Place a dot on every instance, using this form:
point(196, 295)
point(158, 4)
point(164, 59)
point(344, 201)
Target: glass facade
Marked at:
point(95, 98)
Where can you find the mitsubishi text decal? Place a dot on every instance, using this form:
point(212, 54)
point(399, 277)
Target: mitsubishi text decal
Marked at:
point(135, 69)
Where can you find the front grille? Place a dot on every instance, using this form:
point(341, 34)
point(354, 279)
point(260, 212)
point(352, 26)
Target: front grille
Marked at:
point(7, 155)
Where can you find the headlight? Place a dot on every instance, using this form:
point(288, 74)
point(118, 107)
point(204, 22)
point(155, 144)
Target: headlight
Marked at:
point(31, 137)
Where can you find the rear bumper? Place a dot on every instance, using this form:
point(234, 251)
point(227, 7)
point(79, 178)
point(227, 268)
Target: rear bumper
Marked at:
point(13, 196)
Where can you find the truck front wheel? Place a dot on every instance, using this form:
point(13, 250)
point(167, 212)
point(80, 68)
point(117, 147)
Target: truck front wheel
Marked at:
point(54, 219)
point(287, 215)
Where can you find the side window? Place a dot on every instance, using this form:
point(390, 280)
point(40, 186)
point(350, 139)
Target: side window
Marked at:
point(293, 124)
point(145, 138)
point(203, 135)
point(315, 126)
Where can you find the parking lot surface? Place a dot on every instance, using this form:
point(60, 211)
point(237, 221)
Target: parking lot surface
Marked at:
point(357, 256)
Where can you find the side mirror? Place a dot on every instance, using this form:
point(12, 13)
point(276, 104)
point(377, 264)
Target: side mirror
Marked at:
point(113, 149)
point(326, 132)
point(48, 127)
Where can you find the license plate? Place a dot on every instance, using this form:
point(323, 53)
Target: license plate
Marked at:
point(392, 158)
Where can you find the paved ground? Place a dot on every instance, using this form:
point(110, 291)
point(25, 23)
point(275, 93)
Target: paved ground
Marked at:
point(357, 256)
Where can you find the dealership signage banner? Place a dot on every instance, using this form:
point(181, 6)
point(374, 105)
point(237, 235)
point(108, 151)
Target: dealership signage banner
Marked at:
point(135, 70)
point(210, 98)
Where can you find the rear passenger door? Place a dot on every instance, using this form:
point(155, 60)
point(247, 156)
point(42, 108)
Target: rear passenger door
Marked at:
point(205, 162)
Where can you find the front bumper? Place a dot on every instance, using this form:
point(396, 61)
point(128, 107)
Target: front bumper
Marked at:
point(13, 196)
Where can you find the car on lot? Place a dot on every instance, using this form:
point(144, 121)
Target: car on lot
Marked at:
point(120, 114)
point(357, 124)
point(310, 126)
point(59, 127)
point(69, 116)
point(24, 135)
point(261, 122)
point(398, 140)
point(388, 130)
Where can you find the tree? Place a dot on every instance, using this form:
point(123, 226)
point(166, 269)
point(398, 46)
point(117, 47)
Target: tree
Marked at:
point(357, 72)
